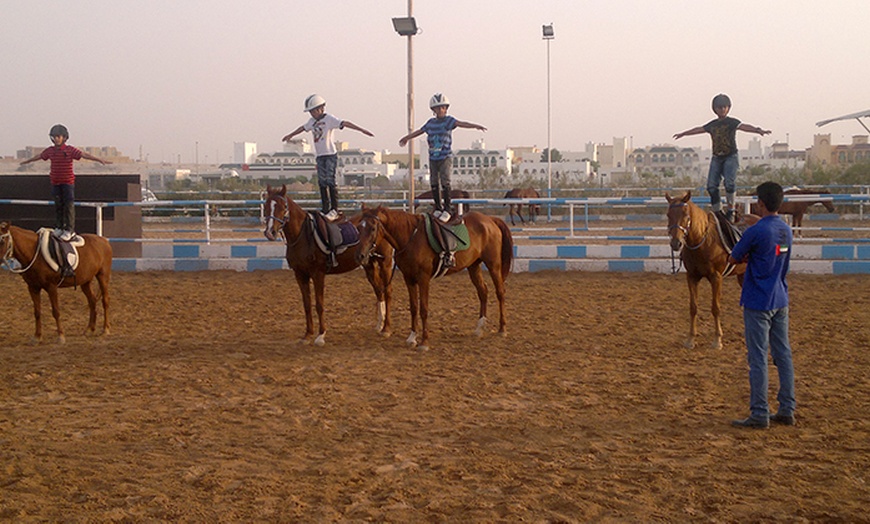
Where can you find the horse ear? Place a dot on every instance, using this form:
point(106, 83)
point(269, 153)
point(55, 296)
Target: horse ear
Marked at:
point(688, 196)
point(364, 207)
point(283, 189)
point(667, 197)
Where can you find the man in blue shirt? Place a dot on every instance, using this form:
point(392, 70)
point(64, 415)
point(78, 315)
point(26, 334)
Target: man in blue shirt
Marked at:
point(766, 249)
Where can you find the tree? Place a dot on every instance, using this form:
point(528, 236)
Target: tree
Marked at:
point(556, 157)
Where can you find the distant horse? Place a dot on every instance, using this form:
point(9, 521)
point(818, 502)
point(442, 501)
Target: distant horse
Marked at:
point(534, 209)
point(308, 262)
point(695, 235)
point(95, 261)
point(491, 244)
point(797, 208)
point(454, 194)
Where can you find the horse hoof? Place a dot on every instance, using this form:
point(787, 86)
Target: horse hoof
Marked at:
point(423, 348)
point(716, 345)
point(385, 334)
point(320, 341)
point(61, 339)
point(689, 344)
point(412, 339)
point(303, 341)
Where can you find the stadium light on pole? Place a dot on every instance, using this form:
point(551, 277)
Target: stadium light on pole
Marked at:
point(407, 26)
point(548, 35)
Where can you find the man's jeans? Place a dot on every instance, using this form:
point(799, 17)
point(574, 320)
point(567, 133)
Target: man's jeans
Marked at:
point(763, 329)
point(722, 167)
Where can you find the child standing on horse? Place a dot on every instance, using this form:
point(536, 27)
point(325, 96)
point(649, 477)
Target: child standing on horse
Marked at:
point(322, 126)
point(766, 249)
point(723, 133)
point(439, 133)
point(63, 178)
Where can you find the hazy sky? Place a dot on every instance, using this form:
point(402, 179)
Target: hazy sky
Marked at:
point(164, 75)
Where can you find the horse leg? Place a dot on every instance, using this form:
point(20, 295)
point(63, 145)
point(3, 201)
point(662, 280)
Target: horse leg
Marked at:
point(424, 313)
point(319, 281)
point(693, 312)
point(303, 280)
point(511, 214)
point(414, 306)
point(476, 275)
point(37, 311)
point(498, 282)
point(55, 312)
point(385, 297)
point(103, 281)
point(92, 308)
point(520, 213)
point(716, 285)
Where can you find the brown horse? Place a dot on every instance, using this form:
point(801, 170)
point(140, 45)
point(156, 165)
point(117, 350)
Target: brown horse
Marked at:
point(308, 262)
point(797, 208)
point(534, 209)
point(454, 194)
point(491, 244)
point(694, 234)
point(95, 260)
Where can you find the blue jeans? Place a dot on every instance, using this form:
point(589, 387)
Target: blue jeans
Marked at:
point(722, 167)
point(326, 166)
point(763, 329)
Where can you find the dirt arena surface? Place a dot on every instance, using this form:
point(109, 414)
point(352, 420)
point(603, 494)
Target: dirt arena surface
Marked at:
point(202, 407)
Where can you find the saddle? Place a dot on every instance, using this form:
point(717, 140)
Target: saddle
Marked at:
point(729, 234)
point(446, 239)
point(61, 256)
point(333, 238)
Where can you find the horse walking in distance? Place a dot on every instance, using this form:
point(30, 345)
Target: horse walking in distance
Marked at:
point(490, 243)
point(94, 261)
point(797, 208)
point(534, 209)
point(309, 263)
point(695, 234)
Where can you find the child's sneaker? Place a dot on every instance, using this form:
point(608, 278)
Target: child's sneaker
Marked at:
point(444, 217)
point(332, 216)
point(436, 213)
point(67, 235)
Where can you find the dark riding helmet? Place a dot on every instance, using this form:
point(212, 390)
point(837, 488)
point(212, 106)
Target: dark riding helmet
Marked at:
point(59, 130)
point(721, 100)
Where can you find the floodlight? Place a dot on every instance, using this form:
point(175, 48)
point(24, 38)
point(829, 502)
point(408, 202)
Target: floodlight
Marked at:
point(406, 26)
point(548, 32)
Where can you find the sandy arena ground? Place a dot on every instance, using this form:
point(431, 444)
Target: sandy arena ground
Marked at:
point(202, 407)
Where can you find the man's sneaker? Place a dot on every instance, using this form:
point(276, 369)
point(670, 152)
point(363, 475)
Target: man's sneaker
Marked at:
point(444, 217)
point(785, 420)
point(332, 215)
point(754, 423)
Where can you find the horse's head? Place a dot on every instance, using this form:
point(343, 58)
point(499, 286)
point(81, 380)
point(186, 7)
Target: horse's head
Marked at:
point(370, 233)
point(276, 211)
point(679, 219)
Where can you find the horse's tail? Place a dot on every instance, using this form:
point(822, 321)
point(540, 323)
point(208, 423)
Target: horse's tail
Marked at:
point(507, 248)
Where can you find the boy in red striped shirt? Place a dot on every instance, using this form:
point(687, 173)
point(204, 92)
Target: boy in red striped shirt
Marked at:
point(63, 178)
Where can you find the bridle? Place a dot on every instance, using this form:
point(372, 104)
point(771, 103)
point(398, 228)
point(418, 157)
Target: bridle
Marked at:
point(685, 229)
point(10, 254)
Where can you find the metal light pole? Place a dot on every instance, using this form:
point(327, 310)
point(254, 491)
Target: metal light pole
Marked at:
point(408, 27)
point(549, 35)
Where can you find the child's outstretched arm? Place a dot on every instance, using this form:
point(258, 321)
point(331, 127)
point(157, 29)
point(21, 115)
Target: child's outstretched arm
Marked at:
point(29, 160)
point(749, 128)
point(87, 156)
point(347, 123)
point(410, 136)
point(293, 133)
point(469, 125)
point(694, 131)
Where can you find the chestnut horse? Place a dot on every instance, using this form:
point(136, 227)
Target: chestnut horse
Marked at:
point(695, 235)
point(95, 260)
point(490, 243)
point(797, 208)
point(285, 217)
point(534, 209)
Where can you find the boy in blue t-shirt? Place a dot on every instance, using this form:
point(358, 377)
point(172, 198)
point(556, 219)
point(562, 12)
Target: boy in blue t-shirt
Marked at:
point(725, 161)
point(766, 249)
point(439, 134)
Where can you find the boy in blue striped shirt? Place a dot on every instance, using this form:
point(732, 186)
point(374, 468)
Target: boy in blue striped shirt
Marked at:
point(439, 134)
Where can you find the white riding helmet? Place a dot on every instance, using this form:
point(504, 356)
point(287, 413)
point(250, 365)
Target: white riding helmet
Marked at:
point(313, 102)
point(438, 100)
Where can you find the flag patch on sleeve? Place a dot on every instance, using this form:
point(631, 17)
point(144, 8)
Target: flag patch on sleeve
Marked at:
point(781, 249)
